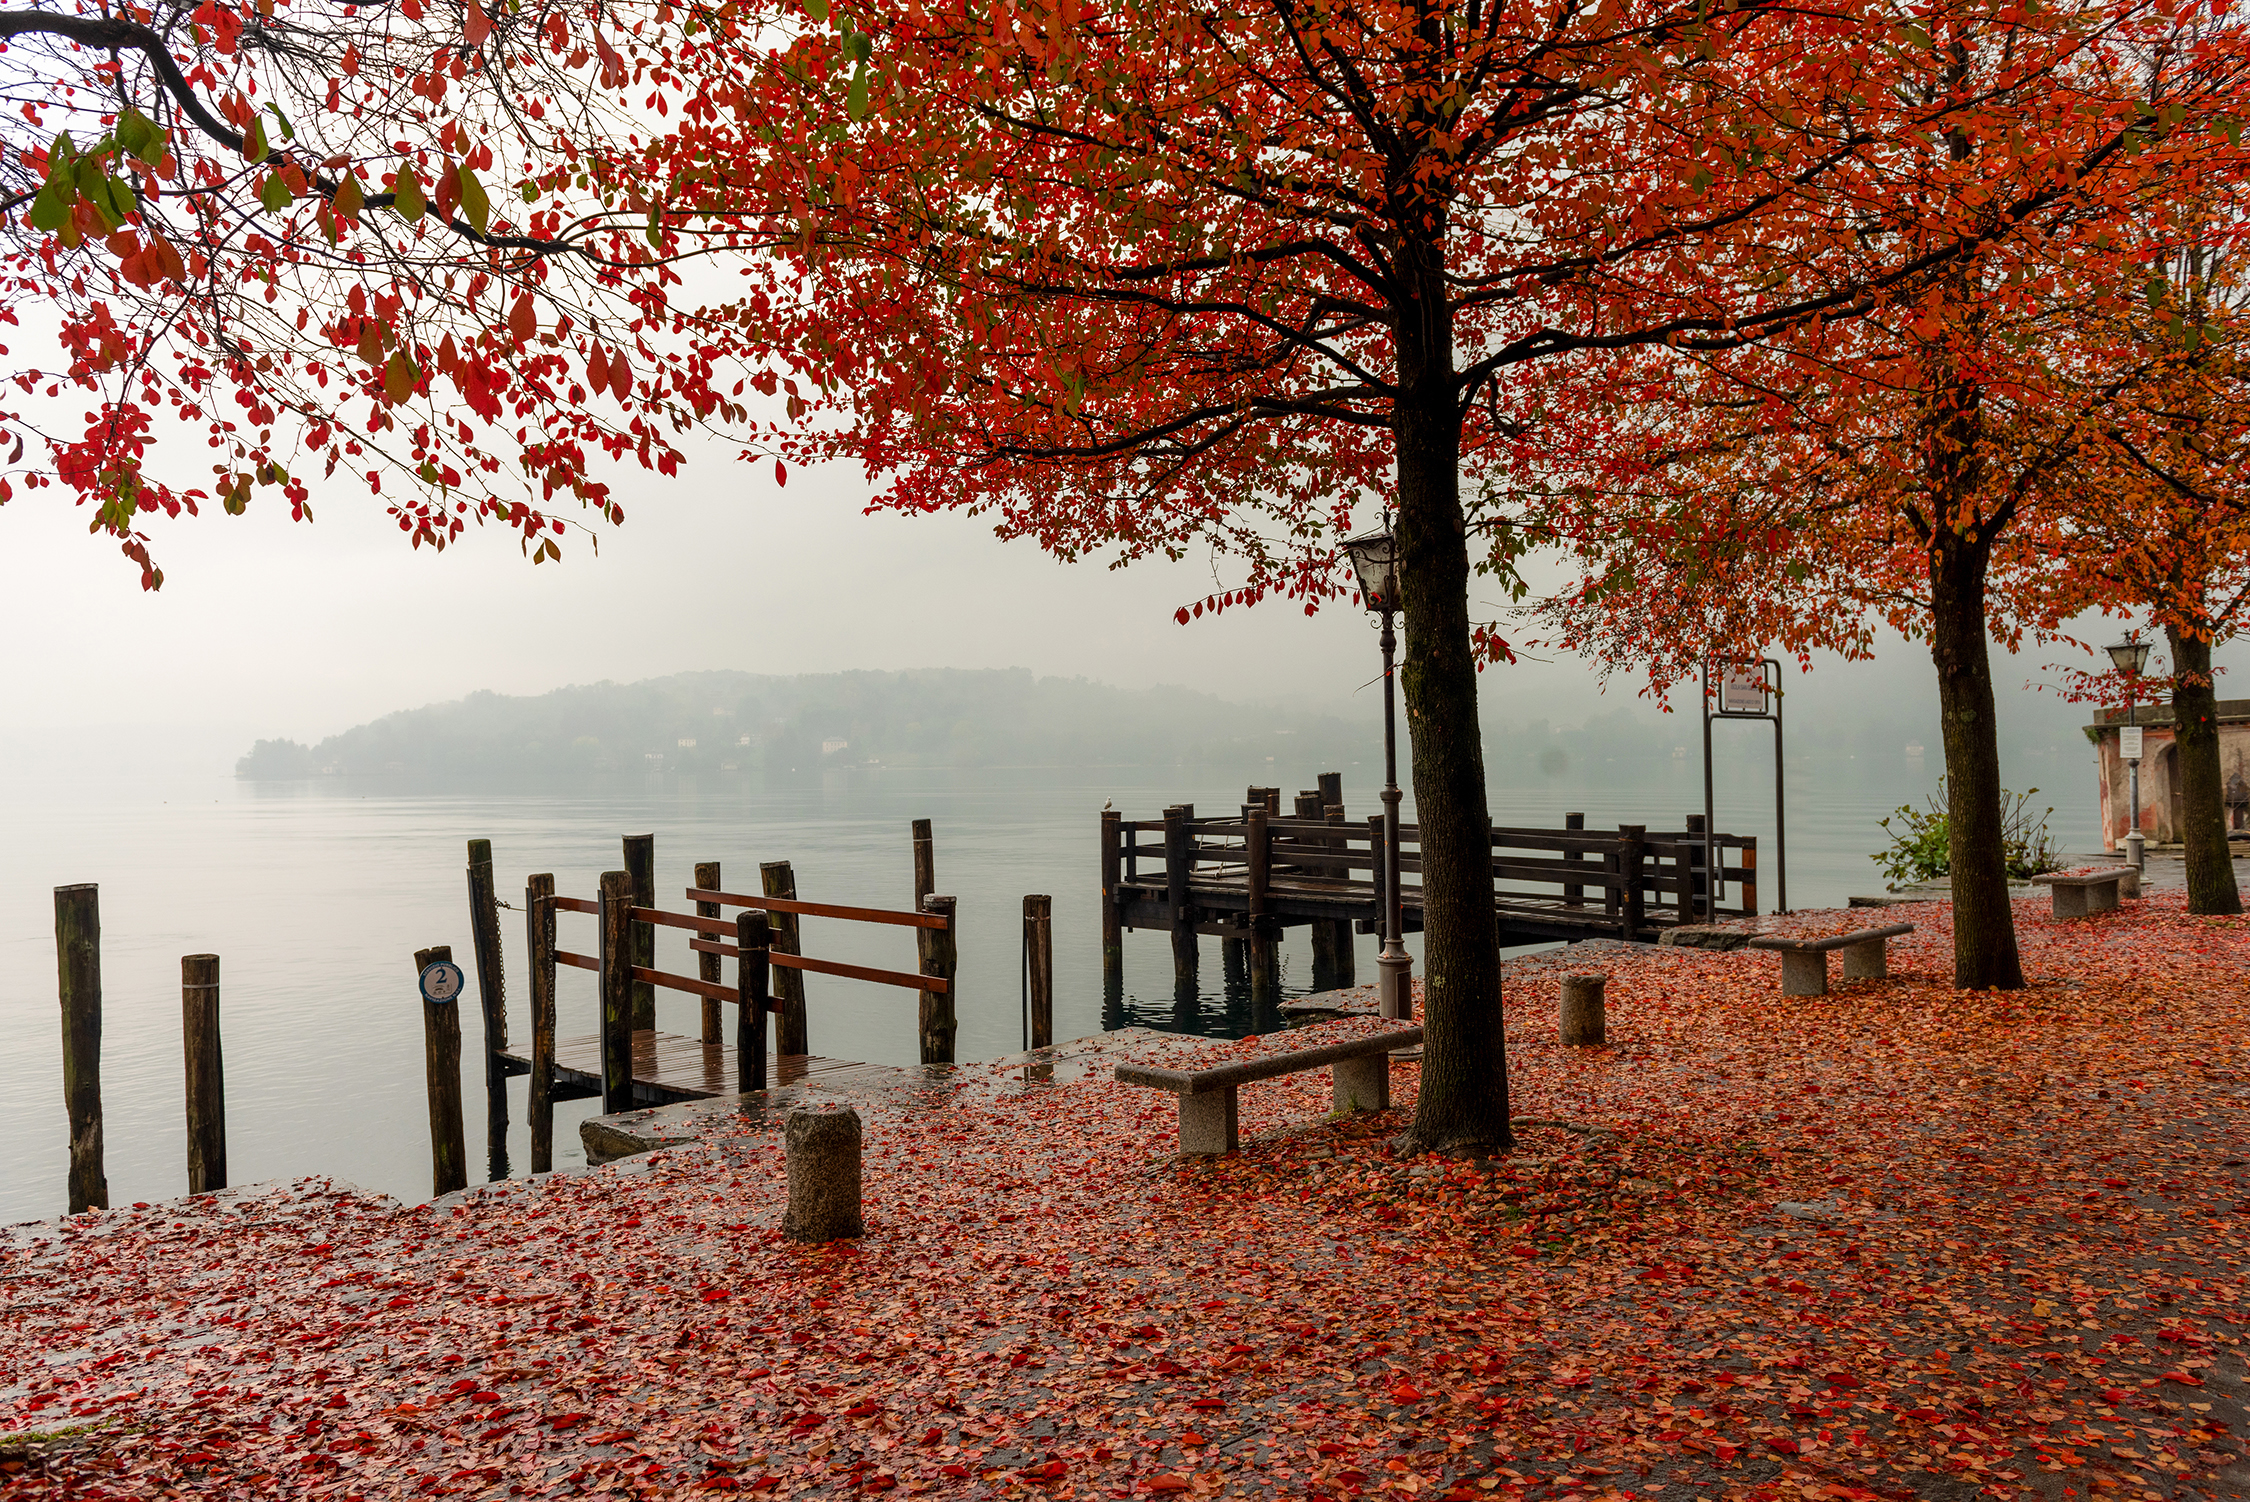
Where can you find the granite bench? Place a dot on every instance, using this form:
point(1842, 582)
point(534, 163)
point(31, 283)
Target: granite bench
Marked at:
point(1362, 1072)
point(2090, 891)
point(1804, 962)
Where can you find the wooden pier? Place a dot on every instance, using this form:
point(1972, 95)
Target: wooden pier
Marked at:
point(1247, 876)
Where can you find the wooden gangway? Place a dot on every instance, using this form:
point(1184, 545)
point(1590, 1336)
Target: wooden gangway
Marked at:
point(670, 1067)
point(1248, 875)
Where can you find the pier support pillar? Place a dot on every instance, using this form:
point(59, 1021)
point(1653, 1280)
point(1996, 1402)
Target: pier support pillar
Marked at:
point(1179, 861)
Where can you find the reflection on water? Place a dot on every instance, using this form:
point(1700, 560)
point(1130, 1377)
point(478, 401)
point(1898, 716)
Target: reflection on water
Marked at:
point(317, 894)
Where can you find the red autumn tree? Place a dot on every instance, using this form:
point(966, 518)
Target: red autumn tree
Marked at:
point(2160, 520)
point(1914, 469)
point(284, 240)
point(1138, 276)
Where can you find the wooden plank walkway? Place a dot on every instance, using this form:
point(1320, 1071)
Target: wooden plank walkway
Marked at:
point(668, 1067)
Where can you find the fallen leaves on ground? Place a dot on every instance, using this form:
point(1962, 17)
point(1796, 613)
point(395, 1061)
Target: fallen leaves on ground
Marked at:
point(1892, 1243)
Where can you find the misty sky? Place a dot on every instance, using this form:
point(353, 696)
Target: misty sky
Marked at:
point(269, 628)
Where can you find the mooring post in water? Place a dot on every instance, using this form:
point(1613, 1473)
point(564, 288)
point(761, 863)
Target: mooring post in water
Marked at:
point(707, 965)
point(441, 1064)
point(790, 1035)
point(940, 956)
point(1179, 842)
point(78, 966)
point(539, 918)
point(206, 1074)
point(640, 864)
point(492, 994)
point(925, 862)
point(1113, 927)
point(616, 962)
point(1574, 895)
point(752, 934)
point(1310, 810)
point(1265, 966)
point(1039, 959)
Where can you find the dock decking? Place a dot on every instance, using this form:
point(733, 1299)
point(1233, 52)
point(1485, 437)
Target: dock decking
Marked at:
point(668, 1068)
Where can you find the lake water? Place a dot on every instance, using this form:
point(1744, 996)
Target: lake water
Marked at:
point(317, 894)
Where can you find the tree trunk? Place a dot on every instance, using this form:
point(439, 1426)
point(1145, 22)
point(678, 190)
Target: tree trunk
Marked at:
point(2203, 814)
point(1464, 1091)
point(1984, 924)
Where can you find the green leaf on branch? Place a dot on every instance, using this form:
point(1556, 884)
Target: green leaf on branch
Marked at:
point(817, 9)
point(349, 200)
point(408, 198)
point(474, 203)
point(860, 46)
point(50, 211)
point(141, 137)
point(399, 377)
point(855, 99)
point(288, 131)
point(275, 194)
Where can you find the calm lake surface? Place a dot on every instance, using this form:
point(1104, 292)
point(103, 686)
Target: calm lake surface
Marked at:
point(316, 895)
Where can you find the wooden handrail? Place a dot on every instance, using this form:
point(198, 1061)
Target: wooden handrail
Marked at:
point(693, 924)
point(906, 978)
point(575, 905)
point(819, 909)
point(582, 961)
point(687, 983)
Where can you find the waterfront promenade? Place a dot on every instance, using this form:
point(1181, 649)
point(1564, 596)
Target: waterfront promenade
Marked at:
point(1895, 1242)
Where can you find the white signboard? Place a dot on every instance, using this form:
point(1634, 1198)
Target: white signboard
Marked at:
point(2129, 742)
point(1743, 691)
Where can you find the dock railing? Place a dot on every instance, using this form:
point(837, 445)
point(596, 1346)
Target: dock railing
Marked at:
point(747, 940)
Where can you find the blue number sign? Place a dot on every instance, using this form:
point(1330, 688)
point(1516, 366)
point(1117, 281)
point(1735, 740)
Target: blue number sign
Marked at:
point(442, 981)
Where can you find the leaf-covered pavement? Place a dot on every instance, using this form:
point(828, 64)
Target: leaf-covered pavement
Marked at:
point(1896, 1242)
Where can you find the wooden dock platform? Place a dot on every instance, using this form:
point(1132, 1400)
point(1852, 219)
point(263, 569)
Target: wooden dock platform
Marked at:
point(669, 1068)
point(1246, 876)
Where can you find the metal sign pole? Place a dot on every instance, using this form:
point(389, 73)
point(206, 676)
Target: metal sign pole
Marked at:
point(1710, 820)
point(1780, 830)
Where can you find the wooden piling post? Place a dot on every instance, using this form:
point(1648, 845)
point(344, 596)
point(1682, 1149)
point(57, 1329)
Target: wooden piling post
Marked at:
point(1039, 948)
point(1630, 853)
point(78, 973)
point(925, 862)
point(1309, 808)
point(492, 993)
point(640, 864)
point(752, 935)
point(441, 1068)
point(940, 955)
point(1582, 1021)
point(539, 949)
point(790, 1034)
point(1343, 950)
point(1265, 968)
point(1699, 903)
point(1572, 895)
point(206, 1073)
point(707, 965)
point(1113, 928)
point(1179, 835)
point(617, 991)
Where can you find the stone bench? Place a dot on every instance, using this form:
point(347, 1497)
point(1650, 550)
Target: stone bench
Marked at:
point(2091, 891)
point(1804, 962)
point(1362, 1069)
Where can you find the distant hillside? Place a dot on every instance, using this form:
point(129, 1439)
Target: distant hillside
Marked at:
point(745, 722)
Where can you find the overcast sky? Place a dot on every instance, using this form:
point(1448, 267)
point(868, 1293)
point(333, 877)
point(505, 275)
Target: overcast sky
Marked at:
point(269, 628)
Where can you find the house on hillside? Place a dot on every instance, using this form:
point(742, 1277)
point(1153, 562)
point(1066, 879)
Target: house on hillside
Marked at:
point(2160, 771)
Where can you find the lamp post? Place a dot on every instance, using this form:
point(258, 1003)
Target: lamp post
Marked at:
point(2130, 656)
point(1374, 558)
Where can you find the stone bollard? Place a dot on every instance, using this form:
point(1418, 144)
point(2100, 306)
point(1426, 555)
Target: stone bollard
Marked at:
point(1583, 1023)
point(822, 1145)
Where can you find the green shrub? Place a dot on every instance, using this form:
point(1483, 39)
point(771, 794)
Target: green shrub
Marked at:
point(1921, 847)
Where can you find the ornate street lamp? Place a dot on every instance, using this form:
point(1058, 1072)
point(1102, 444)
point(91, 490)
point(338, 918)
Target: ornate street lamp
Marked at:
point(2131, 656)
point(1374, 558)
